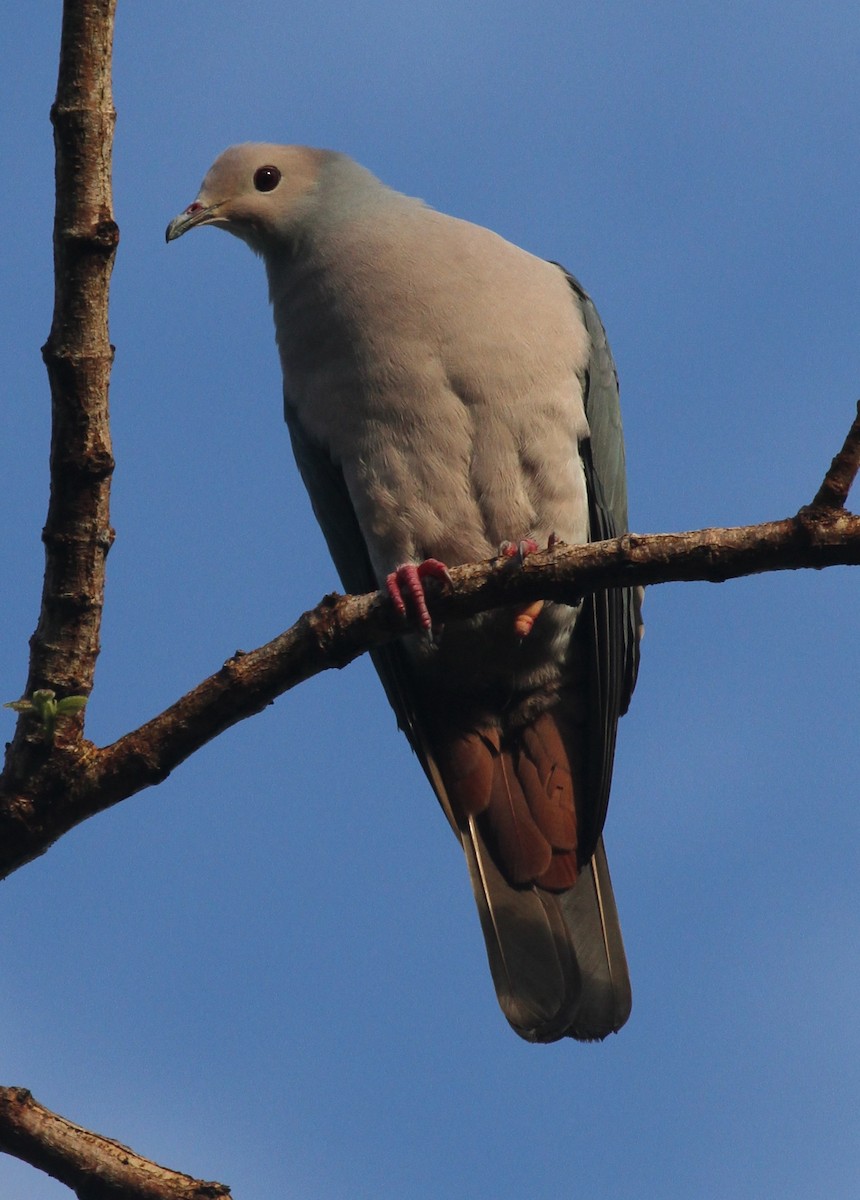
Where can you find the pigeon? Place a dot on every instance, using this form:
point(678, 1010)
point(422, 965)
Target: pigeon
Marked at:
point(450, 397)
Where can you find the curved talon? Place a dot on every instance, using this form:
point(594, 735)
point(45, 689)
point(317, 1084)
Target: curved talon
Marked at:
point(518, 550)
point(407, 584)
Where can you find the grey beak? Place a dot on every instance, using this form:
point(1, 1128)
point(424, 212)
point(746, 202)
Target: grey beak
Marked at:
point(194, 214)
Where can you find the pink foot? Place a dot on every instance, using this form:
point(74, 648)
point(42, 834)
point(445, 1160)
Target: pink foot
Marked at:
point(406, 584)
point(525, 617)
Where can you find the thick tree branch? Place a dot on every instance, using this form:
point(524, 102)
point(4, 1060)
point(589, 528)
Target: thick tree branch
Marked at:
point(78, 356)
point(94, 1167)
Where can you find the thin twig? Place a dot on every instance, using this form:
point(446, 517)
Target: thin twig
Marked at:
point(833, 492)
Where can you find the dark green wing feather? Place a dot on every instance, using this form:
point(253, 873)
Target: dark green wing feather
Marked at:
point(333, 509)
point(610, 620)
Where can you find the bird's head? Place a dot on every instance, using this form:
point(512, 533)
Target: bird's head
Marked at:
point(256, 191)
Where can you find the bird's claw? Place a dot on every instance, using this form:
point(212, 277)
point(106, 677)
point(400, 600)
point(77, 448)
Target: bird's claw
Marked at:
point(405, 586)
point(518, 550)
point(525, 617)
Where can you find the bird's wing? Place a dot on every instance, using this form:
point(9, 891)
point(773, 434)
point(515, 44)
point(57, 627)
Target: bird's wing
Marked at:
point(334, 511)
point(610, 621)
point(332, 507)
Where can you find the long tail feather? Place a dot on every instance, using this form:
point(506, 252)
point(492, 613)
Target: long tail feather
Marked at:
point(557, 960)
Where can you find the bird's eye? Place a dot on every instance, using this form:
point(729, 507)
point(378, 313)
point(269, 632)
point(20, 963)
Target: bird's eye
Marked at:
point(266, 179)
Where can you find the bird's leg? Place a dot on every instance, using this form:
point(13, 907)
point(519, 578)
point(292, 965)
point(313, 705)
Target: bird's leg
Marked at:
point(405, 586)
point(525, 617)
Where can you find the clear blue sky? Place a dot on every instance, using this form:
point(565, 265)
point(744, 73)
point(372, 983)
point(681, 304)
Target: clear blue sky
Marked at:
point(269, 971)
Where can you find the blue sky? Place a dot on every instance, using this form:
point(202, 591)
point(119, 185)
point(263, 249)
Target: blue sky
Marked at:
point(269, 971)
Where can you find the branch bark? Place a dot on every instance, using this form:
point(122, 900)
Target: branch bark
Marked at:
point(78, 356)
point(94, 1167)
point(833, 492)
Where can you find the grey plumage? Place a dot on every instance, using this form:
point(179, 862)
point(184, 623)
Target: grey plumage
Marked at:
point(445, 391)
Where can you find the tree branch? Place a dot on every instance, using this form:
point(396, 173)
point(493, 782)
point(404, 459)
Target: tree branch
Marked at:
point(78, 356)
point(833, 492)
point(94, 1167)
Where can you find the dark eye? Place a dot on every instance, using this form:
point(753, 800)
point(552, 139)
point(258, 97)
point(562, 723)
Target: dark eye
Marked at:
point(266, 179)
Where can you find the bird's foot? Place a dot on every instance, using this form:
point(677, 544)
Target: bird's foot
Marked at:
point(525, 617)
point(405, 586)
point(518, 550)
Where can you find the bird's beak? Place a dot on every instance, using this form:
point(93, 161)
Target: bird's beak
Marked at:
point(194, 214)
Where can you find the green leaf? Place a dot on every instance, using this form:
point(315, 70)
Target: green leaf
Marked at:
point(45, 705)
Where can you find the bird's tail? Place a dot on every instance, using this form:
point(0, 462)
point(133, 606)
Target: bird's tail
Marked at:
point(549, 918)
point(557, 958)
